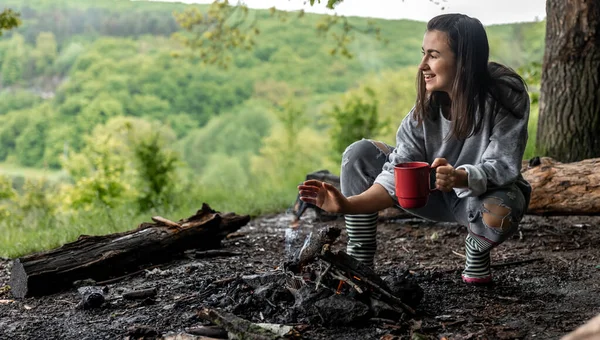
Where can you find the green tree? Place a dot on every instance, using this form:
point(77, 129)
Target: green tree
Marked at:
point(12, 126)
point(9, 19)
point(31, 143)
point(156, 169)
point(14, 61)
point(45, 52)
point(354, 120)
point(12, 100)
point(292, 150)
point(238, 134)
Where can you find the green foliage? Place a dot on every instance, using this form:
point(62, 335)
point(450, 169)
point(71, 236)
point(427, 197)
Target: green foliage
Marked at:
point(102, 178)
point(156, 169)
point(14, 61)
point(532, 74)
point(238, 134)
point(355, 120)
point(330, 3)
point(124, 161)
point(30, 145)
point(213, 34)
point(9, 19)
point(45, 52)
point(292, 150)
point(14, 100)
point(6, 188)
point(12, 126)
point(67, 58)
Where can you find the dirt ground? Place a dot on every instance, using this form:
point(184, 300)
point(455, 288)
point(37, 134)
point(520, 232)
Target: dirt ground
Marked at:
point(552, 292)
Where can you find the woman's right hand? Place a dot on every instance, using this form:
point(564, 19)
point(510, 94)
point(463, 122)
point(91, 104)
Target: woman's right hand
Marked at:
point(323, 195)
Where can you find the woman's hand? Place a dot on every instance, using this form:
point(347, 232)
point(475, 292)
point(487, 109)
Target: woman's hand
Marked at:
point(323, 195)
point(448, 178)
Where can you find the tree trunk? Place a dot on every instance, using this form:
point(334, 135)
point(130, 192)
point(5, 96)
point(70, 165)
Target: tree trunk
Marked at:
point(569, 117)
point(102, 257)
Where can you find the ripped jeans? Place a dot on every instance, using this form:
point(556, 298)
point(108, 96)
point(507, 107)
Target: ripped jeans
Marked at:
point(490, 218)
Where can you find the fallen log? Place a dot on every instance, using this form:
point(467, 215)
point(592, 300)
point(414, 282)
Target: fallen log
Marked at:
point(103, 257)
point(563, 188)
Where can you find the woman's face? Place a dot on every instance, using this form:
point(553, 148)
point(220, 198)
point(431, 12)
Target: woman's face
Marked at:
point(438, 65)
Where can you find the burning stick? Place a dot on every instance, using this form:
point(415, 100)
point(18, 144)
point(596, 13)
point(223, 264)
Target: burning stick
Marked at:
point(337, 275)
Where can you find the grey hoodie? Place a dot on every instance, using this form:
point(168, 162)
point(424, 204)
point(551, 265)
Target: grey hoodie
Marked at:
point(492, 158)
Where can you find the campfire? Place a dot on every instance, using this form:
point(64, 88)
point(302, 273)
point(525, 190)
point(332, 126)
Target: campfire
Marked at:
point(316, 287)
point(334, 288)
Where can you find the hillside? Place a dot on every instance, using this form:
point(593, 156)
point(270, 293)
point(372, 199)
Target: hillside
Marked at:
point(96, 91)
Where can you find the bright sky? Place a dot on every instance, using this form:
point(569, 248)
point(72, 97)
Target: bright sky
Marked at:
point(487, 11)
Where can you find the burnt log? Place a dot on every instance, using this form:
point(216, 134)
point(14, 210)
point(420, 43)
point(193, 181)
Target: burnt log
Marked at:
point(102, 257)
point(365, 276)
point(241, 328)
point(563, 188)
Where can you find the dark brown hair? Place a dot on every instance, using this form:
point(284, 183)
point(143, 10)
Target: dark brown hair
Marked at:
point(476, 78)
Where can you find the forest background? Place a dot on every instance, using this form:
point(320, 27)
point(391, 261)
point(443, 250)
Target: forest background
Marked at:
point(106, 117)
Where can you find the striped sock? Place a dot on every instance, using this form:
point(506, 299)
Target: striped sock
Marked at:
point(477, 266)
point(362, 231)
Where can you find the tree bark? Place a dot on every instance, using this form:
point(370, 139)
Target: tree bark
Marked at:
point(564, 189)
point(569, 116)
point(100, 257)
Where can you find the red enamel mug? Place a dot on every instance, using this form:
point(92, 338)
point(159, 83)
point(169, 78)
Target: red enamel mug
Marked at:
point(413, 184)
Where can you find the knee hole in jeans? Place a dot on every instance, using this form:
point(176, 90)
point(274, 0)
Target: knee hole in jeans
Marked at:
point(496, 214)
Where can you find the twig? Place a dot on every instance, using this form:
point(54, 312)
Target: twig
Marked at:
point(117, 279)
point(271, 303)
point(504, 264)
point(214, 253)
point(459, 254)
point(562, 259)
point(340, 276)
point(321, 276)
point(390, 296)
point(509, 298)
point(140, 294)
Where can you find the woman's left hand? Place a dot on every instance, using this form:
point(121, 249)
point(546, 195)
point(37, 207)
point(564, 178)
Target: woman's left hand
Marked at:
point(446, 177)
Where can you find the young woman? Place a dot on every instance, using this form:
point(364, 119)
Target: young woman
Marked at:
point(470, 122)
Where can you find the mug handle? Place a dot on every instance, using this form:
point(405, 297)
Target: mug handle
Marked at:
point(434, 188)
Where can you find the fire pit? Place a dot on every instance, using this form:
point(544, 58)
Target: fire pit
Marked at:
point(319, 286)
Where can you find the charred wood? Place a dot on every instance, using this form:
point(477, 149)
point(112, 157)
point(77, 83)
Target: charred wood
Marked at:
point(210, 331)
point(241, 328)
point(364, 275)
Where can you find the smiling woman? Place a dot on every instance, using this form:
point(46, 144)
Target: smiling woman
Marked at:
point(470, 123)
point(439, 63)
